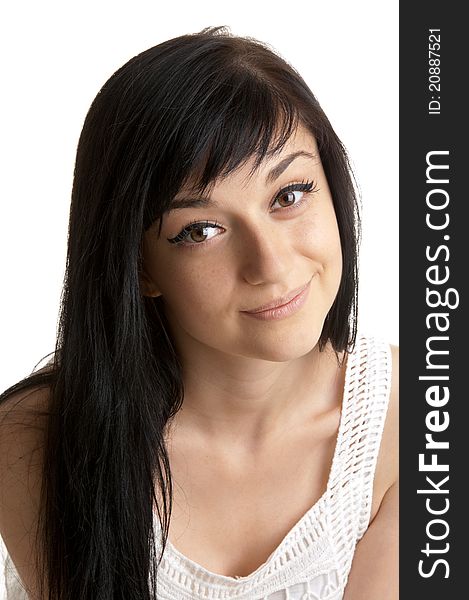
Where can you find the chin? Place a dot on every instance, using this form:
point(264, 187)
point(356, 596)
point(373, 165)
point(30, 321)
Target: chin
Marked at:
point(284, 350)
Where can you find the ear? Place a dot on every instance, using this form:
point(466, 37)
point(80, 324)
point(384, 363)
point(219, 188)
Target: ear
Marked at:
point(148, 286)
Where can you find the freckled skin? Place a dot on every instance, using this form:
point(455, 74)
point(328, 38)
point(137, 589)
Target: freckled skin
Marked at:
point(262, 252)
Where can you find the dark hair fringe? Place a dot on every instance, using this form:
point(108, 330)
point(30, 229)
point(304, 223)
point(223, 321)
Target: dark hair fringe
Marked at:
point(191, 109)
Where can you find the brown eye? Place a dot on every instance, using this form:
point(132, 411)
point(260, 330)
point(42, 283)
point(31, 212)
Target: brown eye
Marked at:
point(198, 234)
point(286, 199)
point(294, 195)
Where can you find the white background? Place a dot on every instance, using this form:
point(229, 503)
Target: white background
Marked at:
point(57, 55)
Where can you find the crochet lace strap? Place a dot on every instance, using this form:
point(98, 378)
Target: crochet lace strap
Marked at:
point(365, 402)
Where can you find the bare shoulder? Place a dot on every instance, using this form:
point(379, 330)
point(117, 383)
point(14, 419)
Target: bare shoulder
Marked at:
point(22, 419)
point(22, 426)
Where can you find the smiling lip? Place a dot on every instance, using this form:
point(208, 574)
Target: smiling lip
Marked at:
point(281, 307)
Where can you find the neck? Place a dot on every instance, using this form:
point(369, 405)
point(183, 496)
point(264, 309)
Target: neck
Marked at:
point(237, 402)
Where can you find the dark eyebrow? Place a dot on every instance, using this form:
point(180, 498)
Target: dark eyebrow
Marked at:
point(272, 175)
point(283, 164)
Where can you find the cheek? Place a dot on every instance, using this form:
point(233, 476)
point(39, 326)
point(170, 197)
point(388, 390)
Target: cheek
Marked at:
point(334, 256)
point(193, 286)
point(320, 239)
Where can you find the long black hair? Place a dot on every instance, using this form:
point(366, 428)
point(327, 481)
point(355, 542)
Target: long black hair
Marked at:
point(197, 105)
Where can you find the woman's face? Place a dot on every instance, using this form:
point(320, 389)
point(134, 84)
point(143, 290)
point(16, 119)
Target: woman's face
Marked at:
point(255, 240)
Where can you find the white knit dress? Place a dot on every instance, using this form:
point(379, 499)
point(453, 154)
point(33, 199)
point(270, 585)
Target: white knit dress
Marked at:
point(313, 560)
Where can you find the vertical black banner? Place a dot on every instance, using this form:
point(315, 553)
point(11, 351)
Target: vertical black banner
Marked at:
point(434, 450)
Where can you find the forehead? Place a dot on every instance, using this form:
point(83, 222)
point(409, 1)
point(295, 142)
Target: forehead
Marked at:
point(301, 144)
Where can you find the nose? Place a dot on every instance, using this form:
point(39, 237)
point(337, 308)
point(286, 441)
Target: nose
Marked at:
point(267, 254)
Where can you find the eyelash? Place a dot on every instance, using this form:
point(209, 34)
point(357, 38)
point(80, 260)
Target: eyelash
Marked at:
point(308, 187)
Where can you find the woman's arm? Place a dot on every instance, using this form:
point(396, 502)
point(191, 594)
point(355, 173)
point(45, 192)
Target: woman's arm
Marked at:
point(375, 568)
point(20, 480)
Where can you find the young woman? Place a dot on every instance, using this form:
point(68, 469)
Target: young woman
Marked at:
point(208, 366)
